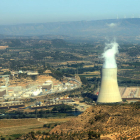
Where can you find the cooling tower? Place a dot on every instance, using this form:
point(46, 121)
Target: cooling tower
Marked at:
point(109, 91)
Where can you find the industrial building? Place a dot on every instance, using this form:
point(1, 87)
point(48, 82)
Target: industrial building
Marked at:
point(47, 85)
point(130, 92)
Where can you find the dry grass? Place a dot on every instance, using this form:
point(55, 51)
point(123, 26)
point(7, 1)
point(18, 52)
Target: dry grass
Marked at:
point(17, 122)
point(19, 129)
point(22, 126)
point(17, 126)
point(88, 66)
point(55, 120)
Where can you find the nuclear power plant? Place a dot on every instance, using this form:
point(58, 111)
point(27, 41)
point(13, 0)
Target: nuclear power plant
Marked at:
point(109, 91)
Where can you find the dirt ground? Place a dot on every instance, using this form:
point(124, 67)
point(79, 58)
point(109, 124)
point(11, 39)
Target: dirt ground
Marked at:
point(3, 47)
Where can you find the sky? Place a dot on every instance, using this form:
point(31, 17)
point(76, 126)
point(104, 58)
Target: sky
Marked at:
point(43, 11)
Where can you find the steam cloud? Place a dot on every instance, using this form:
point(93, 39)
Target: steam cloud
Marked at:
point(109, 55)
point(112, 25)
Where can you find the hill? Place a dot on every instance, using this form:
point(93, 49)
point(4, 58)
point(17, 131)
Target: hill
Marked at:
point(114, 122)
point(127, 28)
point(104, 122)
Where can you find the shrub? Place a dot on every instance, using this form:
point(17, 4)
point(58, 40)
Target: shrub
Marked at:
point(91, 121)
point(38, 132)
point(33, 134)
point(45, 125)
point(93, 134)
point(55, 124)
point(16, 135)
point(101, 117)
point(45, 133)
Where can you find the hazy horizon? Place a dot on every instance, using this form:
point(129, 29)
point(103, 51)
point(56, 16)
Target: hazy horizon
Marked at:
point(44, 11)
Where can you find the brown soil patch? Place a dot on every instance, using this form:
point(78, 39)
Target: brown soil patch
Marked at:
point(3, 47)
point(25, 82)
point(88, 66)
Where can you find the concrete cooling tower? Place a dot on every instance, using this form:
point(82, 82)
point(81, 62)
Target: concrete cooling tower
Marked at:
point(109, 91)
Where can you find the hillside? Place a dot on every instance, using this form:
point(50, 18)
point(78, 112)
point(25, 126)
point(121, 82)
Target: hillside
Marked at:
point(104, 122)
point(109, 121)
point(128, 28)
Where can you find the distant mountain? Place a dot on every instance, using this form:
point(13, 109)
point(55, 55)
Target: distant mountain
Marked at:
point(127, 28)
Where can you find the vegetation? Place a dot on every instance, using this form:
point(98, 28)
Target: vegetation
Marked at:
point(56, 74)
point(92, 134)
point(62, 108)
point(33, 54)
point(89, 97)
point(67, 59)
point(59, 111)
point(98, 121)
point(136, 105)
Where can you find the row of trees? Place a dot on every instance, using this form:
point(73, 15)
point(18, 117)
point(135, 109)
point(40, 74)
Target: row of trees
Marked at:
point(79, 69)
point(39, 114)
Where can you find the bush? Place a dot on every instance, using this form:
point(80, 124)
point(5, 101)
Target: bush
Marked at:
point(38, 132)
point(62, 108)
point(45, 133)
point(93, 134)
point(91, 121)
point(101, 117)
point(33, 134)
point(55, 124)
point(16, 135)
point(47, 125)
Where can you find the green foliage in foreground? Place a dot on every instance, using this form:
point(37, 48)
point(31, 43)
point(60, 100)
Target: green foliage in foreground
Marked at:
point(16, 135)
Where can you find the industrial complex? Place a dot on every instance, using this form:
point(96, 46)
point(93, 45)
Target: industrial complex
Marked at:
point(14, 94)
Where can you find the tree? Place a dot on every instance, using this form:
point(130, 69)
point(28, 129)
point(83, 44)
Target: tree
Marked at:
point(84, 80)
point(62, 108)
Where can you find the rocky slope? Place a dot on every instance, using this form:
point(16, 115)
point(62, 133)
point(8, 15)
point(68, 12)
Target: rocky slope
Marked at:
point(100, 122)
point(110, 121)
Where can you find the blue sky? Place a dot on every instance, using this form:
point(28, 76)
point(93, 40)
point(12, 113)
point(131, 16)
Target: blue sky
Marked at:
point(42, 11)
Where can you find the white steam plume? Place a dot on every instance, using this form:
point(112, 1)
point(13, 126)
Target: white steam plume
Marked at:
point(109, 55)
point(112, 25)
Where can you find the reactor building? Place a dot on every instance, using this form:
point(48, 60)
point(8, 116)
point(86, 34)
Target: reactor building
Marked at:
point(109, 90)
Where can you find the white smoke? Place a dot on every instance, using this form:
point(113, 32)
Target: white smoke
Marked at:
point(109, 55)
point(112, 25)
